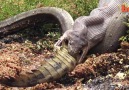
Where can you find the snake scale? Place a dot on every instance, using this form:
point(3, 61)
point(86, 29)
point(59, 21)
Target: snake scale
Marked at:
point(63, 61)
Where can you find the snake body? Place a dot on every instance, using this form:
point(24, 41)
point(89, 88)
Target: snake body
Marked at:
point(89, 31)
point(39, 15)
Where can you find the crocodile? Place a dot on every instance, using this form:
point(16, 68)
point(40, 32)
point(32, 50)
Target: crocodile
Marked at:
point(53, 69)
point(64, 61)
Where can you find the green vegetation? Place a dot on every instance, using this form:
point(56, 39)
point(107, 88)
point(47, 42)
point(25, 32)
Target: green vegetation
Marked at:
point(76, 8)
point(126, 37)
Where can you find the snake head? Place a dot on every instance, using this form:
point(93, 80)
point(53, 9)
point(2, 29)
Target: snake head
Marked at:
point(75, 39)
point(78, 49)
point(76, 44)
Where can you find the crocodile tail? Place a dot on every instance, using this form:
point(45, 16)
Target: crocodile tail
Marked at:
point(53, 69)
point(39, 15)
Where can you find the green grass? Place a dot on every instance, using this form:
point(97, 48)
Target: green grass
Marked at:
point(126, 37)
point(76, 8)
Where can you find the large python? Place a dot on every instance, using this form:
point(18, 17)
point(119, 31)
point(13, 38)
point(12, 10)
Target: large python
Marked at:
point(88, 31)
point(63, 61)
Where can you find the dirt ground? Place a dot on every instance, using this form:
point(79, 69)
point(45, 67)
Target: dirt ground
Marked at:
point(109, 71)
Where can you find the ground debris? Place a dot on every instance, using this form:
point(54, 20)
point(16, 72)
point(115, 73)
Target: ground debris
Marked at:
point(109, 71)
point(106, 83)
point(108, 63)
